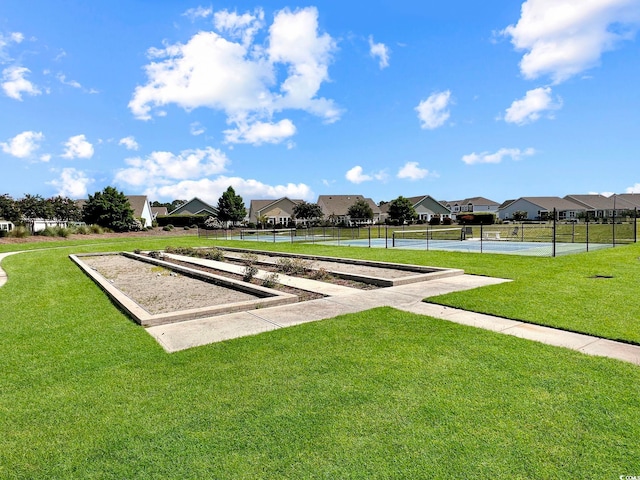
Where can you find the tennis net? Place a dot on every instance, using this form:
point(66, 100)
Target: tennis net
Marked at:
point(417, 237)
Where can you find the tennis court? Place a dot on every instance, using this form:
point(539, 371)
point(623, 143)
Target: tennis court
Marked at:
point(537, 249)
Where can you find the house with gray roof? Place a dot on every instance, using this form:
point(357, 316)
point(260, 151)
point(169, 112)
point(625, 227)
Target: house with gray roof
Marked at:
point(273, 211)
point(335, 207)
point(428, 207)
point(599, 206)
point(195, 206)
point(541, 208)
point(471, 205)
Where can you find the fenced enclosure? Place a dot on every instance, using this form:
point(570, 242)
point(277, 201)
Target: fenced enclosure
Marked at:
point(546, 239)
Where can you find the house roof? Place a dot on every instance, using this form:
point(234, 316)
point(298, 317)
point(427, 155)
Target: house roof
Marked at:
point(506, 203)
point(549, 203)
point(258, 205)
point(600, 202)
point(632, 198)
point(472, 200)
point(159, 211)
point(137, 203)
point(339, 204)
point(202, 207)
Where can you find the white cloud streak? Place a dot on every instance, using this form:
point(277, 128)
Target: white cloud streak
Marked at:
point(261, 132)
point(563, 38)
point(379, 51)
point(497, 157)
point(23, 145)
point(198, 12)
point(433, 112)
point(532, 106)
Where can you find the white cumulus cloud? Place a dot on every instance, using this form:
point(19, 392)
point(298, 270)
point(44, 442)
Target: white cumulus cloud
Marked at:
point(412, 171)
point(230, 71)
point(129, 143)
point(23, 145)
point(634, 189)
point(15, 83)
point(72, 183)
point(160, 168)
point(565, 37)
point(379, 51)
point(433, 112)
point(78, 147)
point(532, 106)
point(356, 175)
point(210, 190)
point(497, 157)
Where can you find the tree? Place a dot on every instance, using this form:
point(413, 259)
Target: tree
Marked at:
point(64, 209)
point(401, 209)
point(307, 211)
point(110, 209)
point(34, 206)
point(519, 215)
point(231, 207)
point(360, 210)
point(9, 209)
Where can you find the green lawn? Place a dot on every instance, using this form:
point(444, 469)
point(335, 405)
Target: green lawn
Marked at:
point(85, 393)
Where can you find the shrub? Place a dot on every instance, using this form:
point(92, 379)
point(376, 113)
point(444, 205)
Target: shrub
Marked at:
point(270, 280)
point(214, 254)
point(292, 266)
point(250, 269)
point(167, 228)
point(83, 229)
point(320, 274)
point(96, 229)
point(19, 232)
point(186, 227)
point(47, 232)
point(155, 254)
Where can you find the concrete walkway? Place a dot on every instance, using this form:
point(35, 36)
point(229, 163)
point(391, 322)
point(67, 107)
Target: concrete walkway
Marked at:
point(179, 336)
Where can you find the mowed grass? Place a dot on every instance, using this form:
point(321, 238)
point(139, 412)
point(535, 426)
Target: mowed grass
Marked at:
point(85, 393)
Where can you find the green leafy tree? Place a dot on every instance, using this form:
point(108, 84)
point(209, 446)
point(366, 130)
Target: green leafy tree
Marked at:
point(360, 210)
point(64, 209)
point(307, 211)
point(401, 209)
point(231, 207)
point(9, 209)
point(34, 206)
point(110, 209)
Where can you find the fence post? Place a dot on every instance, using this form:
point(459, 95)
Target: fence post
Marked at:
point(481, 236)
point(553, 252)
point(369, 230)
point(587, 230)
point(635, 225)
point(386, 237)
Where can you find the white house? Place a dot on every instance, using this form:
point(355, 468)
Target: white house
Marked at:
point(141, 208)
point(471, 205)
point(6, 225)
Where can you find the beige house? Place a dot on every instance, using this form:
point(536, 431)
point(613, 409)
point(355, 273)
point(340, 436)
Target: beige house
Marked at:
point(273, 212)
point(335, 207)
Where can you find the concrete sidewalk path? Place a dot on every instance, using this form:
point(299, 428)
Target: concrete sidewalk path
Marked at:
point(180, 336)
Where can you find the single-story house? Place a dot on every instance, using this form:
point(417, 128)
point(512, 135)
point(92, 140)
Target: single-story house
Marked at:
point(428, 207)
point(335, 207)
point(195, 206)
point(273, 212)
point(599, 206)
point(471, 205)
point(6, 225)
point(541, 208)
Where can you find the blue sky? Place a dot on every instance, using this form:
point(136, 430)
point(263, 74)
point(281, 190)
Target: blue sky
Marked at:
point(454, 99)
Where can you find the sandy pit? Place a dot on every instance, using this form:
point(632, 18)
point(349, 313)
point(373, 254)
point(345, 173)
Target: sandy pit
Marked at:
point(157, 289)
